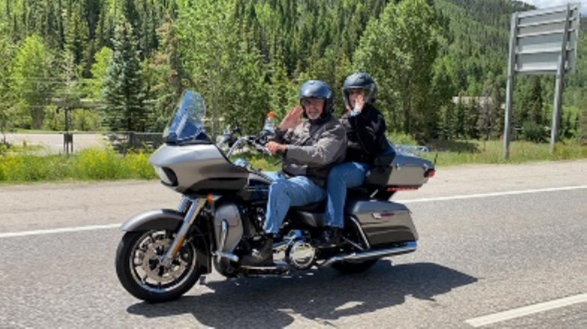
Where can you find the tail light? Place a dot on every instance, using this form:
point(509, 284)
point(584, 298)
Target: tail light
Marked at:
point(430, 173)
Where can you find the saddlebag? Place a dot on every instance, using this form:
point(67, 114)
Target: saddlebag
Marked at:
point(383, 222)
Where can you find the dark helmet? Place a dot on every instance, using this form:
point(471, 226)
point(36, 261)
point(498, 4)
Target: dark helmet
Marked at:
point(317, 89)
point(360, 80)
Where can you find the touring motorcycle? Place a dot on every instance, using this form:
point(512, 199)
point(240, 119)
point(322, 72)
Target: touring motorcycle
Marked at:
point(164, 252)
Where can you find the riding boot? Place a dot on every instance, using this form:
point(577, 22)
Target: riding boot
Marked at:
point(262, 256)
point(331, 237)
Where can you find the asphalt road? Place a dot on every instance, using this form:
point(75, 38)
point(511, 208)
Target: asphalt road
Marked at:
point(492, 239)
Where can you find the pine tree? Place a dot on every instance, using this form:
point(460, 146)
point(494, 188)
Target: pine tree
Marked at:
point(461, 119)
point(535, 113)
point(123, 91)
point(76, 35)
point(472, 119)
point(7, 50)
point(104, 28)
point(172, 78)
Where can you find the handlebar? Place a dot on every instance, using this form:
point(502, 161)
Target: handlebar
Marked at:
point(257, 142)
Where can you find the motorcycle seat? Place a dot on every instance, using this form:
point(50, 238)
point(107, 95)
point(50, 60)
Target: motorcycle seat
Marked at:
point(312, 207)
point(311, 215)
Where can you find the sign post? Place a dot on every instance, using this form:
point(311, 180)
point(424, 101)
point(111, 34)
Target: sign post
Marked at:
point(542, 42)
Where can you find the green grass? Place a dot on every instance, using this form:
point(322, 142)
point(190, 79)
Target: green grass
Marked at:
point(58, 132)
point(35, 131)
point(90, 164)
point(25, 165)
point(491, 152)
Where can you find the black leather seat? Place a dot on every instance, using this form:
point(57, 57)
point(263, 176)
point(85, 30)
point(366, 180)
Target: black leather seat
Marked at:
point(312, 207)
point(311, 215)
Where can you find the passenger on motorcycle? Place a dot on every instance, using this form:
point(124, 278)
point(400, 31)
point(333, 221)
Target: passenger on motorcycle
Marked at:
point(310, 149)
point(365, 131)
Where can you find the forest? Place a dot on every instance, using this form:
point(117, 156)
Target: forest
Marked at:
point(121, 65)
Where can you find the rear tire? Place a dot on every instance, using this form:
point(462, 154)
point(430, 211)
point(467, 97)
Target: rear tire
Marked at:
point(354, 267)
point(164, 285)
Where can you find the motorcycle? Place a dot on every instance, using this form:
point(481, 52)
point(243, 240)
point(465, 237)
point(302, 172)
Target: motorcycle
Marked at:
point(164, 252)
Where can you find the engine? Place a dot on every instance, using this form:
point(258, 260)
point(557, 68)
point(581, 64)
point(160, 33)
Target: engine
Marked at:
point(300, 254)
point(296, 250)
point(228, 216)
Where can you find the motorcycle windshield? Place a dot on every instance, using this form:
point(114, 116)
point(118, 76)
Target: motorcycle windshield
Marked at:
point(187, 125)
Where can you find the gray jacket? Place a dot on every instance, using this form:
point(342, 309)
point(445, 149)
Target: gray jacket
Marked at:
point(313, 148)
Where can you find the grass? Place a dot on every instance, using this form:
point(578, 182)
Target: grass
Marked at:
point(24, 164)
point(491, 152)
point(87, 165)
point(34, 131)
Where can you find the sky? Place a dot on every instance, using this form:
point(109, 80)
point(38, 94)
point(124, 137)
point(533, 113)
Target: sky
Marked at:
point(555, 3)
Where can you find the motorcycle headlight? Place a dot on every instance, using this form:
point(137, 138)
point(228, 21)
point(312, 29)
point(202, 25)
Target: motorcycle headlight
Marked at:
point(166, 175)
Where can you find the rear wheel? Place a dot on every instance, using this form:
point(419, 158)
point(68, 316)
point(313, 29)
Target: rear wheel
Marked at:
point(141, 273)
point(354, 267)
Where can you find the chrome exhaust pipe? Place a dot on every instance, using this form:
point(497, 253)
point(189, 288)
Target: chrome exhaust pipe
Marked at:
point(370, 254)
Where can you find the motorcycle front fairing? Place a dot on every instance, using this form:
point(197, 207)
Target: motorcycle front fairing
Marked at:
point(189, 162)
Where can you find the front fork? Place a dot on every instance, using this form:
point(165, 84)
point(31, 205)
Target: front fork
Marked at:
point(193, 206)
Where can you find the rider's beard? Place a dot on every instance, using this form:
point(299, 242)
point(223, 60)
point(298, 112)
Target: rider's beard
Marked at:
point(313, 114)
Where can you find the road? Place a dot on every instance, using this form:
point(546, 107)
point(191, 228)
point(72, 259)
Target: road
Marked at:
point(493, 239)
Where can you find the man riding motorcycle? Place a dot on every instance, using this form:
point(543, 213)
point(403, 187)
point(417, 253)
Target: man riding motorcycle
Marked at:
point(309, 150)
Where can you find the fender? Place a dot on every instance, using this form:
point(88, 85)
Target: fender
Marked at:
point(160, 219)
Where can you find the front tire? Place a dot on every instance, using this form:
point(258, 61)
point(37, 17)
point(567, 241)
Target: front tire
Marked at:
point(354, 267)
point(141, 274)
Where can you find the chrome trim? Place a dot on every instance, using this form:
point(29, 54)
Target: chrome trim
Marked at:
point(367, 245)
point(223, 234)
point(236, 144)
point(195, 208)
point(226, 255)
point(366, 255)
point(183, 205)
point(278, 266)
point(380, 215)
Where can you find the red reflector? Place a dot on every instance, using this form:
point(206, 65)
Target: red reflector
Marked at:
point(395, 189)
point(430, 173)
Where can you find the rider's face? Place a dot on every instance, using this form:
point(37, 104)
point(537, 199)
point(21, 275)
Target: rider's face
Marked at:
point(354, 94)
point(314, 107)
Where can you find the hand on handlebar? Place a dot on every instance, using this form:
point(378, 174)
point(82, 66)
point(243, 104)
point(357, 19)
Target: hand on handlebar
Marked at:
point(275, 148)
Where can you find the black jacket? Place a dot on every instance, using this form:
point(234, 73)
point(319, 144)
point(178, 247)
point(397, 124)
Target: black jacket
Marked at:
point(365, 135)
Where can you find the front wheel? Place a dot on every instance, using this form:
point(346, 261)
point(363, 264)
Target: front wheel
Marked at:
point(140, 271)
point(354, 267)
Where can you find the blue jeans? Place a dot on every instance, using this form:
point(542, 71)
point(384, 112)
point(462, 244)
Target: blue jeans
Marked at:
point(341, 177)
point(288, 192)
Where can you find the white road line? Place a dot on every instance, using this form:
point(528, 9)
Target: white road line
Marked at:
point(527, 310)
point(59, 230)
point(456, 197)
point(486, 195)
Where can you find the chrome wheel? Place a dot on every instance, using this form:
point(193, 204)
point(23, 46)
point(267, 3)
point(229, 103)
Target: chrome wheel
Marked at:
point(145, 262)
